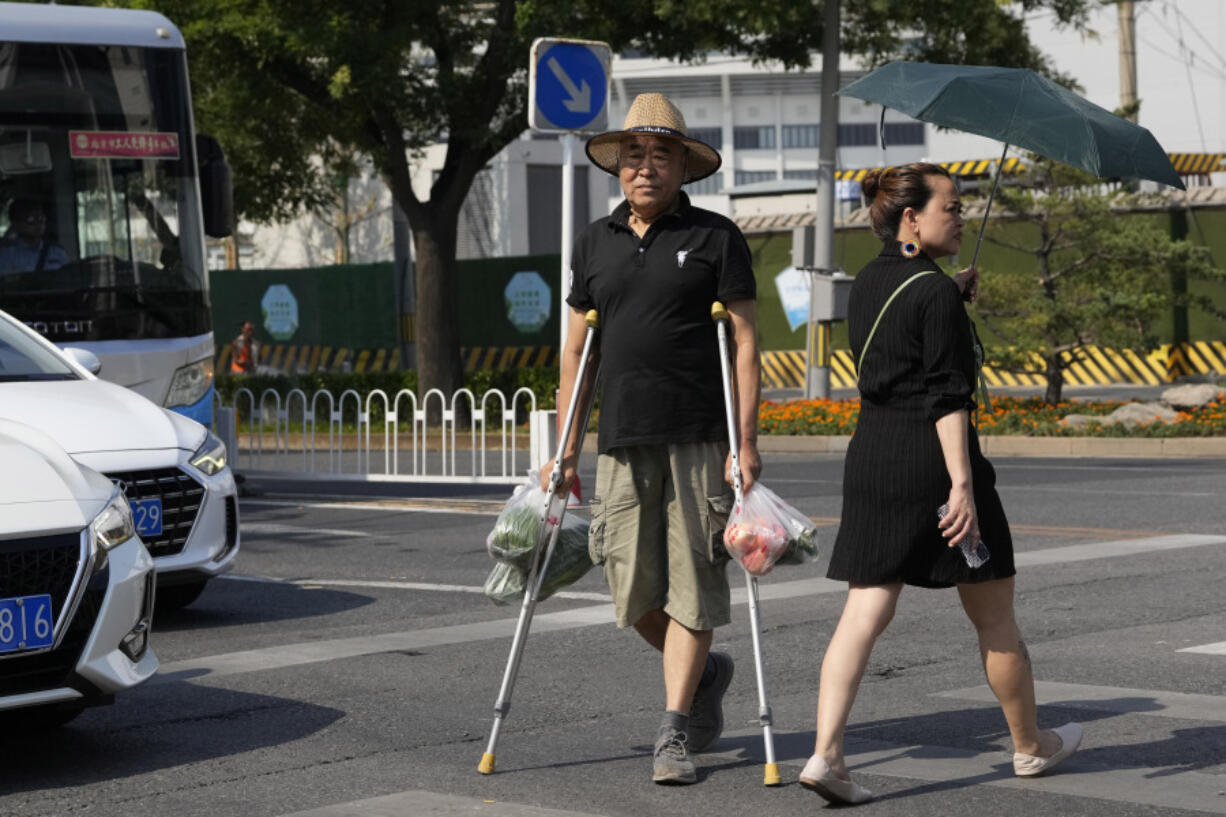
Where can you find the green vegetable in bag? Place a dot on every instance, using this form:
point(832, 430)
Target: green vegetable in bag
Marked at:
point(569, 564)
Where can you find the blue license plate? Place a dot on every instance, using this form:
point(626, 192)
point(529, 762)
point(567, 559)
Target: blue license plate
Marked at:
point(26, 623)
point(147, 514)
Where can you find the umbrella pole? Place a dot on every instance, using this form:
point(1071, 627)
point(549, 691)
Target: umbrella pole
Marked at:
point(995, 181)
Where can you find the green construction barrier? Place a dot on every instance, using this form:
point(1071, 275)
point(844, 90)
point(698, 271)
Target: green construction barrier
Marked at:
point(350, 305)
point(503, 302)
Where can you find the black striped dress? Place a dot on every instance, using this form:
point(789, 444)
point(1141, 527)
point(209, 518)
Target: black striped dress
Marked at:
point(919, 367)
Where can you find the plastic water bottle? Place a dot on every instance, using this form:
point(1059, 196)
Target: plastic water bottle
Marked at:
point(975, 554)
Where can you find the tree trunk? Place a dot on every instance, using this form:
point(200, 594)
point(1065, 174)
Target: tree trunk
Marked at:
point(438, 313)
point(1055, 378)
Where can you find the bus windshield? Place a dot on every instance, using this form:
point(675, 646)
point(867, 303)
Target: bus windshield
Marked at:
point(100, 234)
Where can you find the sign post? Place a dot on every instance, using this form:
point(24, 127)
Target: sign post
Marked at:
point(568, 89)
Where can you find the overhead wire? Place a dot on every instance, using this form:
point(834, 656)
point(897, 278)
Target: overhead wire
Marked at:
point(1187, 64)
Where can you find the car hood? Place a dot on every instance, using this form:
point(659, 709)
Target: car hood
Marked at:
point(92, 416)
point(42, 490)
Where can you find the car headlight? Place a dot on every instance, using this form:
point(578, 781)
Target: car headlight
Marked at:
point(210, 457)
point(114, 526)
point(190, 384)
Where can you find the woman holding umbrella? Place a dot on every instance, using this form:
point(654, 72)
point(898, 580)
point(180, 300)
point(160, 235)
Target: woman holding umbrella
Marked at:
point(914, 451)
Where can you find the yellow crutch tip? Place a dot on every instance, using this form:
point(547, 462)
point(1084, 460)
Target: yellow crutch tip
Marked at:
point(592, 319)
point(771, 778)
point(486, 766)
point(718, 312)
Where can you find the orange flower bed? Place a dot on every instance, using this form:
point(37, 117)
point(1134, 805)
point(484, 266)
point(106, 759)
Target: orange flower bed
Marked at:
point(1023, 416)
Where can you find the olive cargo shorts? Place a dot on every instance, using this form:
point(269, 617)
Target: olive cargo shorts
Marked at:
point(658, 519)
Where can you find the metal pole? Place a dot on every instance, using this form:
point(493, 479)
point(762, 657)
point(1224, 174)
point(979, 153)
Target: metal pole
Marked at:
point(406, 287)
point(1128, 57)
point(568, 232)
point(1000, 169)
point(817, 377)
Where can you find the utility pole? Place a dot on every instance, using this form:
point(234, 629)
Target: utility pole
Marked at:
point(1128, 57)
point(817, 357)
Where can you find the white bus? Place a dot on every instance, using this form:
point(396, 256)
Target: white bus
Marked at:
point(106, 195)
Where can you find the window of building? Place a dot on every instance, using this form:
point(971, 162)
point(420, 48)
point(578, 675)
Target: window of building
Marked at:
point(753, 176)
point(800, 136)
point(904, 133)
point(708, 136)
point(858, 134)
point(801, 175)
point(710, 186)
point(754, 137)
point(864, 134)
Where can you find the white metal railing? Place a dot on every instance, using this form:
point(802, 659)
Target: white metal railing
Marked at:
point(305, 435)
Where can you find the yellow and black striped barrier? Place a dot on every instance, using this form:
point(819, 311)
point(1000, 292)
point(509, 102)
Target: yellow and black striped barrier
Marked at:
point(1088, 366)
point(302, 359)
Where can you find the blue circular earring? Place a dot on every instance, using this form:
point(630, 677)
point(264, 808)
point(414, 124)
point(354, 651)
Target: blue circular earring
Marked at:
point(910, 249)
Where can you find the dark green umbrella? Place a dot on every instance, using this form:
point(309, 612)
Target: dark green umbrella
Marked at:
point(1019, 107)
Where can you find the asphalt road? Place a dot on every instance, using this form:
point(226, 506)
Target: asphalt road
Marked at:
point(350, 667)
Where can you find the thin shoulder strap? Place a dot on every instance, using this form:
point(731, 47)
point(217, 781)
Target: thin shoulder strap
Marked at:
point(881, 314)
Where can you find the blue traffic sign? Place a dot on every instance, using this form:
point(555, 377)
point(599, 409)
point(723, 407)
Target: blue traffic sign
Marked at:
point(570, 85)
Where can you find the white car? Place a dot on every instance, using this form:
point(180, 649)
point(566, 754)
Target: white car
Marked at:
point(172, 469)
point(76, 584)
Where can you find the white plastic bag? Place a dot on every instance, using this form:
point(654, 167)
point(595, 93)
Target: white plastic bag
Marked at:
point(515, 537)
point(518, 528)
point(763, 531)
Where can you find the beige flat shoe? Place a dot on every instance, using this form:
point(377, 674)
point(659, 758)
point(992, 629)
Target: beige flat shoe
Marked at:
point(817, 776)
point(1032, 766)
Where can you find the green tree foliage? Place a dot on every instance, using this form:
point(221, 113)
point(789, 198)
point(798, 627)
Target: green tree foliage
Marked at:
point(1098, 277)
point(288, 86)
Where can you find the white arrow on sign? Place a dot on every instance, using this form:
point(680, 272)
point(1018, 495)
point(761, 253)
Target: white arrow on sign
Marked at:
point(580, 99)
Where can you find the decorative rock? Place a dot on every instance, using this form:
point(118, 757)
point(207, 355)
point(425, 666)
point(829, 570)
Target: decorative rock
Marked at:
point(1080, 420)
point(1186, 398)
point(1141, 414)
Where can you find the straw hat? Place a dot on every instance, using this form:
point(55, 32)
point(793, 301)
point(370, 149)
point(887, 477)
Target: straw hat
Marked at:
point(654, 114)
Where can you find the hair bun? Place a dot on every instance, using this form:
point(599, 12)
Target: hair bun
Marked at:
point(872, 183)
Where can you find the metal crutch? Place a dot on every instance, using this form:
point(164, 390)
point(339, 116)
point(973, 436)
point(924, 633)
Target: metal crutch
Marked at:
point(771, 774)
point(543, 551)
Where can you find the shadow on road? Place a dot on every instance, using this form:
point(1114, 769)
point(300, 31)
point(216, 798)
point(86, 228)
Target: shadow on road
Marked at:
point(227, 603)
point(154, 728)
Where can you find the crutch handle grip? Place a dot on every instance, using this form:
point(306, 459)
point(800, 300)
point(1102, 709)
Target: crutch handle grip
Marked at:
point(592, 319)
point(718, 312)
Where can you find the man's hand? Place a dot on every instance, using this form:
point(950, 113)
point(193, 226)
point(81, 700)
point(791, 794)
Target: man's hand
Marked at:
point(751, 466)
point(569, 468)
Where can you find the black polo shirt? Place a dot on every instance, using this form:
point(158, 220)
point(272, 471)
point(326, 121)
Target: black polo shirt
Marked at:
point(659, 375)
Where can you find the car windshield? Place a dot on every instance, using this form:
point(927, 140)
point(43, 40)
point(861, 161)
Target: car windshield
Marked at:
point(99, 208)
point(22, 358)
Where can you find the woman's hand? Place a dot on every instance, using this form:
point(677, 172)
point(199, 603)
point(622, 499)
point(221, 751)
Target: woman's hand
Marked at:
point(968, 283)
point(962, 521)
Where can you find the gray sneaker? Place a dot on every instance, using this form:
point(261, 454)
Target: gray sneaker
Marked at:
point(672, 759)
point(707, 711)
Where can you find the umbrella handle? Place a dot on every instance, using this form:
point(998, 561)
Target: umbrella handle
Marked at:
point(995, 181)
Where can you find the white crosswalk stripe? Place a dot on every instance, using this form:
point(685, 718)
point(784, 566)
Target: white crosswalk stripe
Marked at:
point(1208, 649)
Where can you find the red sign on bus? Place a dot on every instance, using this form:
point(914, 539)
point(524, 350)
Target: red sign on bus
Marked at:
point(101, 144)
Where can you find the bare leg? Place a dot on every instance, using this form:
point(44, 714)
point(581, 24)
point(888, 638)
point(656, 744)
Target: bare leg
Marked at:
point(989, 605)
point(685, 656)
point(866, 614)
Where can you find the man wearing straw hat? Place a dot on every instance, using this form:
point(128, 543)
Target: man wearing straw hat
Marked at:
point(652, 269)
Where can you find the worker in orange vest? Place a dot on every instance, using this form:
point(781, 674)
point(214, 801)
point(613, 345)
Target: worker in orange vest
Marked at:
point(245, 351)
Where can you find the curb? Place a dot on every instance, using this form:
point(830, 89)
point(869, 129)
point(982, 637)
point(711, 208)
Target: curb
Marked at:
point(1006, 446)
